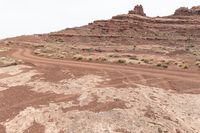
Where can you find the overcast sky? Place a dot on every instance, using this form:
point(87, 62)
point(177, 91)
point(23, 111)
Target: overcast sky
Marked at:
point(19, 17)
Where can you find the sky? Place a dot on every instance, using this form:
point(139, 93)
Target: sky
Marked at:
point(24, 17)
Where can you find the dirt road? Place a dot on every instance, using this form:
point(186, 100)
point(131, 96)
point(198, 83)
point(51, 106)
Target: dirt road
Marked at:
point(26, 54)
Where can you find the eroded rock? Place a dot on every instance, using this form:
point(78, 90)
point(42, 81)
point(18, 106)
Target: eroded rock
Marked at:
point(138, 10)
point(184, 11)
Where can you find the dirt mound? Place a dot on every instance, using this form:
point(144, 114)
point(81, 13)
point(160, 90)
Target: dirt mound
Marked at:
point(184, 11)
point(138, 10)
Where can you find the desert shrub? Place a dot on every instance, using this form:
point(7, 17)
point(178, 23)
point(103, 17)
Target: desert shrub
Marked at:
point(168, 62)
point(133, 58)
point(101, 59)
point(162, 64)
point(184, 66)
point(89, 59)
point(59, 40)
point(165, 66)
point(159, 65)
point(121, 61)
point(147, 61)
point(175, 63)
point(114, 56)
point(78, 58)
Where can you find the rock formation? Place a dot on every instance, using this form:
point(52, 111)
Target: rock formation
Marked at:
point(184, 11)
point(138, 10)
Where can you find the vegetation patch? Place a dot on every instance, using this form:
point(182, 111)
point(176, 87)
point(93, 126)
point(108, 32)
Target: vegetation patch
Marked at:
point(121, 61)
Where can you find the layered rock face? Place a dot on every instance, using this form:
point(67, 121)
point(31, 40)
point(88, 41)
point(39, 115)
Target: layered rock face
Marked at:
point(134, 28)
point(186, 11)
point(138, 10)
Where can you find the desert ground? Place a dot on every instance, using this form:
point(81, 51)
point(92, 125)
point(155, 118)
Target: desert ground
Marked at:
point(130, 74)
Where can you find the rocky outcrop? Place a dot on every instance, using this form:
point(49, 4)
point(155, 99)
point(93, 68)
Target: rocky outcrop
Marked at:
point(138, 10)
point(184, 11)
point(196, 10)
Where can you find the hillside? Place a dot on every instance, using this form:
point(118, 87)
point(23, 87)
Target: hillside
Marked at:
point(131, 73)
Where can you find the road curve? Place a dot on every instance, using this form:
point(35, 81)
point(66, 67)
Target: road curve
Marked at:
point(26, 55)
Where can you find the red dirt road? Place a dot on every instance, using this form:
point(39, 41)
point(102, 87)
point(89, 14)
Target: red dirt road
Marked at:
point(181, 81)
point(26, 55)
